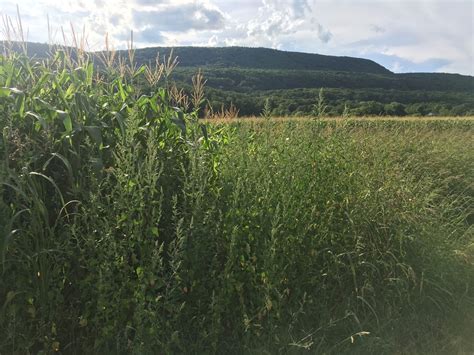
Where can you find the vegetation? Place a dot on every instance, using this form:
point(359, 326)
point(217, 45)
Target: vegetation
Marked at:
point(241, 57)
point(129, 226)
point(247, 77)
point(295, 92)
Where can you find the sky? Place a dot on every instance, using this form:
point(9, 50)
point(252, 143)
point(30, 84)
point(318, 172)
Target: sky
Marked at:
point(402, 35)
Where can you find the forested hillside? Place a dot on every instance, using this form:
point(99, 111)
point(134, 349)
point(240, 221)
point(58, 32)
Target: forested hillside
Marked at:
point(247, 77)
point(291, 82)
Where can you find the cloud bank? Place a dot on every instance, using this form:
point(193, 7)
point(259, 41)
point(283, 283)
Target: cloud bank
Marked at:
point(404, 35)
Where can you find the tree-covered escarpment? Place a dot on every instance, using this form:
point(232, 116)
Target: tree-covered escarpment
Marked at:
point(247, 77)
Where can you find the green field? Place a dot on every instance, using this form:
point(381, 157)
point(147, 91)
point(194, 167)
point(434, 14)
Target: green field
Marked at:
point(127, 225)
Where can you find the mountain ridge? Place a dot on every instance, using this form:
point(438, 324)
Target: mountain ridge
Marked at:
point(213, 57)
point(262, 58)
point(239, 57)
point(247, 77)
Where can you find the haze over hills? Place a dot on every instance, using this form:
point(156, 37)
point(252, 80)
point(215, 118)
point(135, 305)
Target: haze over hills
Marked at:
point(246, 77)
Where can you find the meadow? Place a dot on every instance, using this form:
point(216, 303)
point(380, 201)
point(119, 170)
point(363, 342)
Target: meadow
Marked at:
point(129, 225)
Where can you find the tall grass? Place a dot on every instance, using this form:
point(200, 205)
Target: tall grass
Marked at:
point(128, 226)
point(354, 228)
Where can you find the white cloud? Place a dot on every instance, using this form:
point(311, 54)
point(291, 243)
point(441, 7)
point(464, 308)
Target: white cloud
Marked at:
point(405, 34)
point(179, 18)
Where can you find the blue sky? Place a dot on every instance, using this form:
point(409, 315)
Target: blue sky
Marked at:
point(402, 35)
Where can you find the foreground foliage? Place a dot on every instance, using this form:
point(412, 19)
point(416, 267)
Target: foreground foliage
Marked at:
point(127, 226)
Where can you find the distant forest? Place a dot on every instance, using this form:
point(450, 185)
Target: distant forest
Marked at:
point(291, 82)
point(295, 92)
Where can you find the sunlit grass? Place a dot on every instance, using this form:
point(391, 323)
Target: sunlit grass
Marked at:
point(127, 225)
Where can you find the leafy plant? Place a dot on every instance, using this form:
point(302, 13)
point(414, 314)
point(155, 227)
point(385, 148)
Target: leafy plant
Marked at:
point(267, 110)
point(319, 109)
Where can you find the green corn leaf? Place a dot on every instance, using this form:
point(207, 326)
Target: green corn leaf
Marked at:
point(65, 161)
point(89, 73)
point(123, 95)
point(4, 92)
point(43, 104)
point(121, 121)
point(40, 119)
point(70, 91)
point(40, 84)
point(95, 133)
point(204, 132)
point(180, 122)
point(66, 120)
point(139, 71)
point(19, 102)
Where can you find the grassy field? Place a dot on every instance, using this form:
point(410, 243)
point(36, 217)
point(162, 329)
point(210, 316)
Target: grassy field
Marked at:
point(345, 119)
point(127, 225)
point(366, 219)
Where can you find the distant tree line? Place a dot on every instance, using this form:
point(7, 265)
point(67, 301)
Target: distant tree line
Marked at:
point(300, 102)
point(354, 93)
